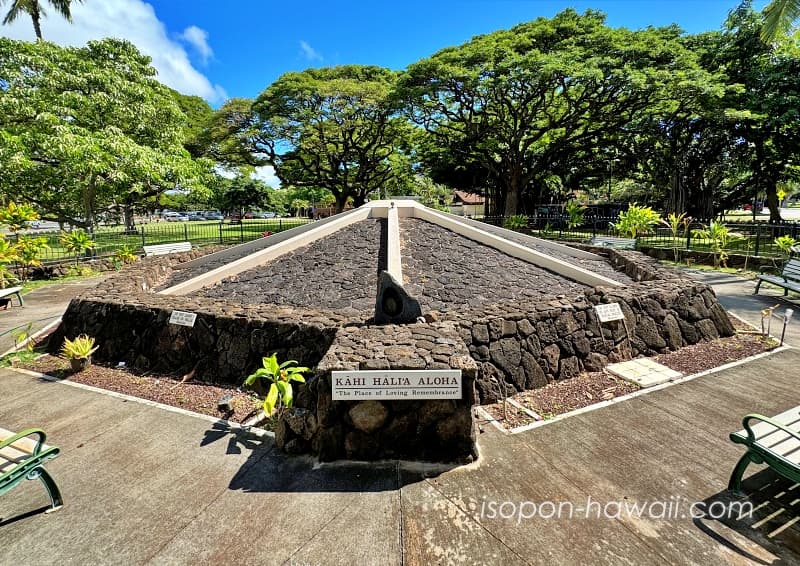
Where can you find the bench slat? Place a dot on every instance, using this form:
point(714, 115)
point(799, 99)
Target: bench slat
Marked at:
point(10, 457)
point(162, 249)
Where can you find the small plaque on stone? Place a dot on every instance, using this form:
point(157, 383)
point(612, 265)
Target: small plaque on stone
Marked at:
point(609, 312)
point(396, 385)
point(183, 318)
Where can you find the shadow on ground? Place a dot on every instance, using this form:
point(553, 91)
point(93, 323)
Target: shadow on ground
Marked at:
point(773, 525)
point(267, 469)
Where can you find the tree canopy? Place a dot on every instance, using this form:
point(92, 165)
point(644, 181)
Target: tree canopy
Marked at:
point(83, 129)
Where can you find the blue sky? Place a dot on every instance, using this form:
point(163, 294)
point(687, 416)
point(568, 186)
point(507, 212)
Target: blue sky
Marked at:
point(224, 49)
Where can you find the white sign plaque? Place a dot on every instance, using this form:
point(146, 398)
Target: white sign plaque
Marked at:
point(609, 312)
point(183, 318)
point(384, 385)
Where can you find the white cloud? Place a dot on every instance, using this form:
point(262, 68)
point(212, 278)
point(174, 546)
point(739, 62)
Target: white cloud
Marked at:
point(198, 38)
point(310, 53)
point(133, 20)
point(267, 175)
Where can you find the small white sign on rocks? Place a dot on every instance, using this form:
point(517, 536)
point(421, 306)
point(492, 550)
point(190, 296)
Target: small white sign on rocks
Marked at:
point(183, 318)
point(401, 385)
point(609, 312)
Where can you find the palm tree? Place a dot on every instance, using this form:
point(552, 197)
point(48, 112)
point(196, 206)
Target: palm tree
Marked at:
point(779, 15)
point(36, 11)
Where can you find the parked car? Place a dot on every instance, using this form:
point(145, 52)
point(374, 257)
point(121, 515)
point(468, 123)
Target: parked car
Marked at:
point(266, 215)
point(193, 216)
point(176, 217)
point(213, 216)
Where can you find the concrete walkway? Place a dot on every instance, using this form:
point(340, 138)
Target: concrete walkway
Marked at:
point(736, 295)
point(147, 486)
point(42, 307)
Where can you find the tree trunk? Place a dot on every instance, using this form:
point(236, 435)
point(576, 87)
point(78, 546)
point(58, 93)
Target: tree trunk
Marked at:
point(37, 27)
point(512, 197)
point(339, 203)
point(773, 204)
point(127, 211)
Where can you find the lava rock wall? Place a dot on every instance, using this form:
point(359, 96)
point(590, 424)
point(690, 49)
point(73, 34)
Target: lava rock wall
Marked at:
point(429, 430)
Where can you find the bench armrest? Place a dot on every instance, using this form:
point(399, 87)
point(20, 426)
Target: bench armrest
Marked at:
point(751, 437)
point(23, 434)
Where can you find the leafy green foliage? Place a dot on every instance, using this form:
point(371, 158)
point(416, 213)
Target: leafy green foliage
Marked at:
point(29, 253)
point(334, 128)
point(125, 254)
point(678, 224)
point(76, 242)
point(575, 213)
point(280, 378)
point(85, 128)
point(16, 215)
point(785, 245)
point(636, 221)
point(720, 238)
point(524, 102)
point(516, 222)
point(81, 347)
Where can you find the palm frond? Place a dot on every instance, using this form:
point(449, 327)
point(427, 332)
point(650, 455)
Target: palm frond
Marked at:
point(779, 15)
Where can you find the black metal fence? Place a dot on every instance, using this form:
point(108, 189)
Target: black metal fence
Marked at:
point(108, 240)
point(747, 238)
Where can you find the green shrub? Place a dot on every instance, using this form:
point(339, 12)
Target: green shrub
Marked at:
point(516, 222)
point(636, 221)
point(280, 378)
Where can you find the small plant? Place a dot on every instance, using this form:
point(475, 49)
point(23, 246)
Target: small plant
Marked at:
point(15, 216)
point(79, 351)
point(76, 242)
point(677, 224)
point(636, 221)
point(8, 254)
point(29, 252)
point(576, 213)
point(80, 271)
point(124, 254)
point(720, 238)
point(280, 377)
point(23, 336)
point(516, 222)
point(785, 245)
point(547, 231)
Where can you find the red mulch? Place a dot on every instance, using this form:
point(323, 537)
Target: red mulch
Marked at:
point(167, 389)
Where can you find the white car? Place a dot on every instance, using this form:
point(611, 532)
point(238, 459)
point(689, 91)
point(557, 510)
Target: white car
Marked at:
point(176, 217)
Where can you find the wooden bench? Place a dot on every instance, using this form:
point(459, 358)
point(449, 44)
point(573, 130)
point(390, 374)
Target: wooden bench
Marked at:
point(789, 278)
point(23, 458)
point(613, 242)
point(162, 249)
point(12, 291)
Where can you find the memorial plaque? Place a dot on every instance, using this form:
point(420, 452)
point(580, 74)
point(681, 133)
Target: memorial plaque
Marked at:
point(385, 385)
point(183, 318)
point(609, 312)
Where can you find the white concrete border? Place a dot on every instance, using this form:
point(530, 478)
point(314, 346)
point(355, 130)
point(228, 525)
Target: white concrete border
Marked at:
point(514, 249)
point(268, 254)
point(230, 424)
point(394, 262)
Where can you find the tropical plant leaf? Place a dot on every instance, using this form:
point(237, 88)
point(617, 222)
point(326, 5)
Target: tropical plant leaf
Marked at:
point(271, 399)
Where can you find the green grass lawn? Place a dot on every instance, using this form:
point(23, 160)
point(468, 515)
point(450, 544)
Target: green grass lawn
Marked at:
point(202, 233)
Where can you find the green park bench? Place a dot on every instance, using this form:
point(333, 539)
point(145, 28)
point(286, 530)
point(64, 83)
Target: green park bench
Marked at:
point(613, 242)
point(163, 249)
point(23, 458)
point(772, 441)
point(789, 279)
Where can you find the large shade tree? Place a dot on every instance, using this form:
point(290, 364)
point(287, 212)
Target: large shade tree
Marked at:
point(86, 129)
point(333, 128)
point(36, 11)
point(522, 101)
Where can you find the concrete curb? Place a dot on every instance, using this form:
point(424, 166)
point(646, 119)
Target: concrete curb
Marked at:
point(644, 391)
point(244, 427)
